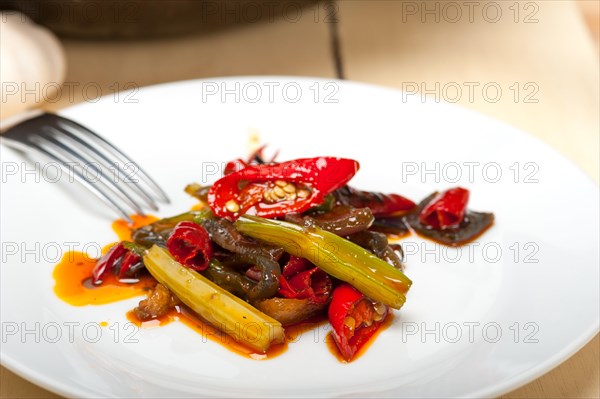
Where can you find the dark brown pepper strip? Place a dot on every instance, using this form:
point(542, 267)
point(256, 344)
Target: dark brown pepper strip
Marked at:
point(472, 226)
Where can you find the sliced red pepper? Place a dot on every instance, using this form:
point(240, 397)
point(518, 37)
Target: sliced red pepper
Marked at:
point(234, 166)
point(256, 158)
point(107, 262)
point(300, 279)
point(446, 210)
point(190, 245)
point(128, 263)
point(379, 203)
point(120, 259)
point(243, 192)
point(354, 319)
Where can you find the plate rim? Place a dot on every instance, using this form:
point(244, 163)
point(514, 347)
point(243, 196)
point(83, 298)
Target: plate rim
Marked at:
point(60, 388)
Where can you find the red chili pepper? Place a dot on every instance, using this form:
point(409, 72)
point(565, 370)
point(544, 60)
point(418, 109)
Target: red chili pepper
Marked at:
point(129, 261)
point(107, 262)
point(256, 158)
point(234, 166)
point(190, 245)
point(300, 279)
point(446, 210)
point(244, 192)
point(354, 318)
point(379, 203)
point(119, 255)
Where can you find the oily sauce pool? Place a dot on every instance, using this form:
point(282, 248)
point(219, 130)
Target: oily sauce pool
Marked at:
point(73, 274)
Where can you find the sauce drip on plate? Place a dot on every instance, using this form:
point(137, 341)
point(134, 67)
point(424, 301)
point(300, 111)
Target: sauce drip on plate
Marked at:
point(73, 274)
point(123, 229)
point(182, 314)
point(73, 282)
point(389, 319)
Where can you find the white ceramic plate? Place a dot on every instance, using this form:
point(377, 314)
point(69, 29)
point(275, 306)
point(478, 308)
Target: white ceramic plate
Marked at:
point(479, 321)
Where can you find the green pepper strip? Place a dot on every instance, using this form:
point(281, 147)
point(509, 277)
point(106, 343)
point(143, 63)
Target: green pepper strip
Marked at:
point(223, 310)
point(159, 231)
point(336, 256)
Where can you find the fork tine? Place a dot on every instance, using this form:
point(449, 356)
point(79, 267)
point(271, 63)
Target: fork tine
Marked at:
point(74, 154)
point(144, 195)
point(109, 146)
point(85, 181)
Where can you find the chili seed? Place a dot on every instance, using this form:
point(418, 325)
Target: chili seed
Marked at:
point(232, 206)
point(269, 196)
point(379, 307)
point(303, 193)
point(278, 191)
point(281, 183)
point(289, 188)
point(350, 322)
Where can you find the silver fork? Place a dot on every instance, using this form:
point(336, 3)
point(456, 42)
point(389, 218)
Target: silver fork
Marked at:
point(76, 149)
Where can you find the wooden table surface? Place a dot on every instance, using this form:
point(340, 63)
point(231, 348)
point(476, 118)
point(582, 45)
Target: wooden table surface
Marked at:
point(544, 51)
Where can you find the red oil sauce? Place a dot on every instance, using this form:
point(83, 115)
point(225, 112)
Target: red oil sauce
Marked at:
point(124, 229)
point(207, 331)
point(397, 239)
point(73, 282)
point(198, 207)
point(335, 352)
point(73, 274)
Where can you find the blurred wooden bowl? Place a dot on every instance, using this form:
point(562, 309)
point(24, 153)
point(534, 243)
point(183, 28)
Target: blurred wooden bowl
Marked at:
point(148, 18)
